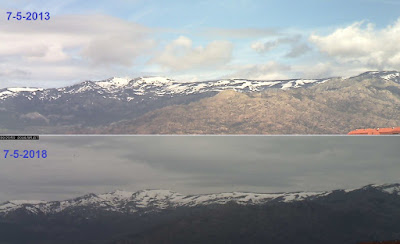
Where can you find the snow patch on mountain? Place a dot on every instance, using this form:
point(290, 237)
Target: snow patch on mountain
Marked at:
point(386, 75)
point(151, 200)
point(156, 200)
point(14, 91)
point(158, 81)
point(114, 82)
point(388, 188)
point(126, 89)
point(16, 204)
point(120, 195)
point(24, 89)
point(6, 94)
point(390, 76)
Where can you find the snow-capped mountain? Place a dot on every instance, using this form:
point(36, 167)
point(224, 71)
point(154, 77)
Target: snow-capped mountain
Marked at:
point(128, 89)
point(101, 103)
point(151, 200)
point(386, 75)
point(96, 103)
point(163, 216)
point(155, 200)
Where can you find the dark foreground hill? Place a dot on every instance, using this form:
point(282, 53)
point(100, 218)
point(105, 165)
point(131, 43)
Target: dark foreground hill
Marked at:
point(347, 217)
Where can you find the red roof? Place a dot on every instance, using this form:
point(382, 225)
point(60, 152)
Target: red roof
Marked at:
point(380, 242)
point(377, 131)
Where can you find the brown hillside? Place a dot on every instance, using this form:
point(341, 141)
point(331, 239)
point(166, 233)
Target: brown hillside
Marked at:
point(335, 107)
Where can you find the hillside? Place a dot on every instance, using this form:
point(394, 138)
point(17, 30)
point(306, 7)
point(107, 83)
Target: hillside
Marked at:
point(158, 105)
point(161, 216)
point(334, 107)
point(98, 103)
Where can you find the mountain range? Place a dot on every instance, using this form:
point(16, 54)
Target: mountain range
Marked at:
point(158, 105)
point(163, 216)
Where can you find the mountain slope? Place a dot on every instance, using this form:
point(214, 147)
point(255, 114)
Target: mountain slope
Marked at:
point(346, 218)
point(161, 216)
point(148, 201)
point(267, 107)
point(93, 103)
point(333, 107)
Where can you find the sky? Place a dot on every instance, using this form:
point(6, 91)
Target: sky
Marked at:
point(196, 40)
point(77, 165)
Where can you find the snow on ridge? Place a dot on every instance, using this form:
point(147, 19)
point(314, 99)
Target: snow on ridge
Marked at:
point(156, 80)
point(287, 85)
point(19, 202)
point(24, 89)
point(13, 91)
point(298, 83)
point(389, 188)
point(5, 94)
point(16, 204)
point(238, 197)
point(155, 194)
point(386, 75)
point(114, 82)
point(156, 199)
point(392, 189)
point(302, 82)
point(123, 88)
point(390, 76)
point(117, 87)
point(161, 199)
point(116, 195)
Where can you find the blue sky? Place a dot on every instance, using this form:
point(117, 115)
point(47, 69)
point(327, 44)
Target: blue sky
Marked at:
point(197, 40)
point(228, 14)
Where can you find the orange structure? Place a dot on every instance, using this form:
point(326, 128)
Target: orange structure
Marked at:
point(380, 242)
point(377, 131)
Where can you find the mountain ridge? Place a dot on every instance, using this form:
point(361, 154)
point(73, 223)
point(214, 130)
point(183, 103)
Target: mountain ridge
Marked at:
point(169, 86)
point(116, 81)
point(342, 216)
point(156, 199)
point(333, 107)
point(84, 106)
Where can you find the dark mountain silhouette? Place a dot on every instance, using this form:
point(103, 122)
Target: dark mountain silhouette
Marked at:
point(370, 213)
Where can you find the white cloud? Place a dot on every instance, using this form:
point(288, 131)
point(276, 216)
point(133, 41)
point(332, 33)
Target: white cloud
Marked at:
point(71, 47)
point(262, 47)
point(121, 50)
point(51, 53)
point(362, 44)
point(298, 50)
point(319, 70)
point(296, 45)
point(181, 55)
point(268, 71)
point(15, 72)
point(102, 39)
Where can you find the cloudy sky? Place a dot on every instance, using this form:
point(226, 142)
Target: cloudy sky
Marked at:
point(190, 165)
point(196, 40)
